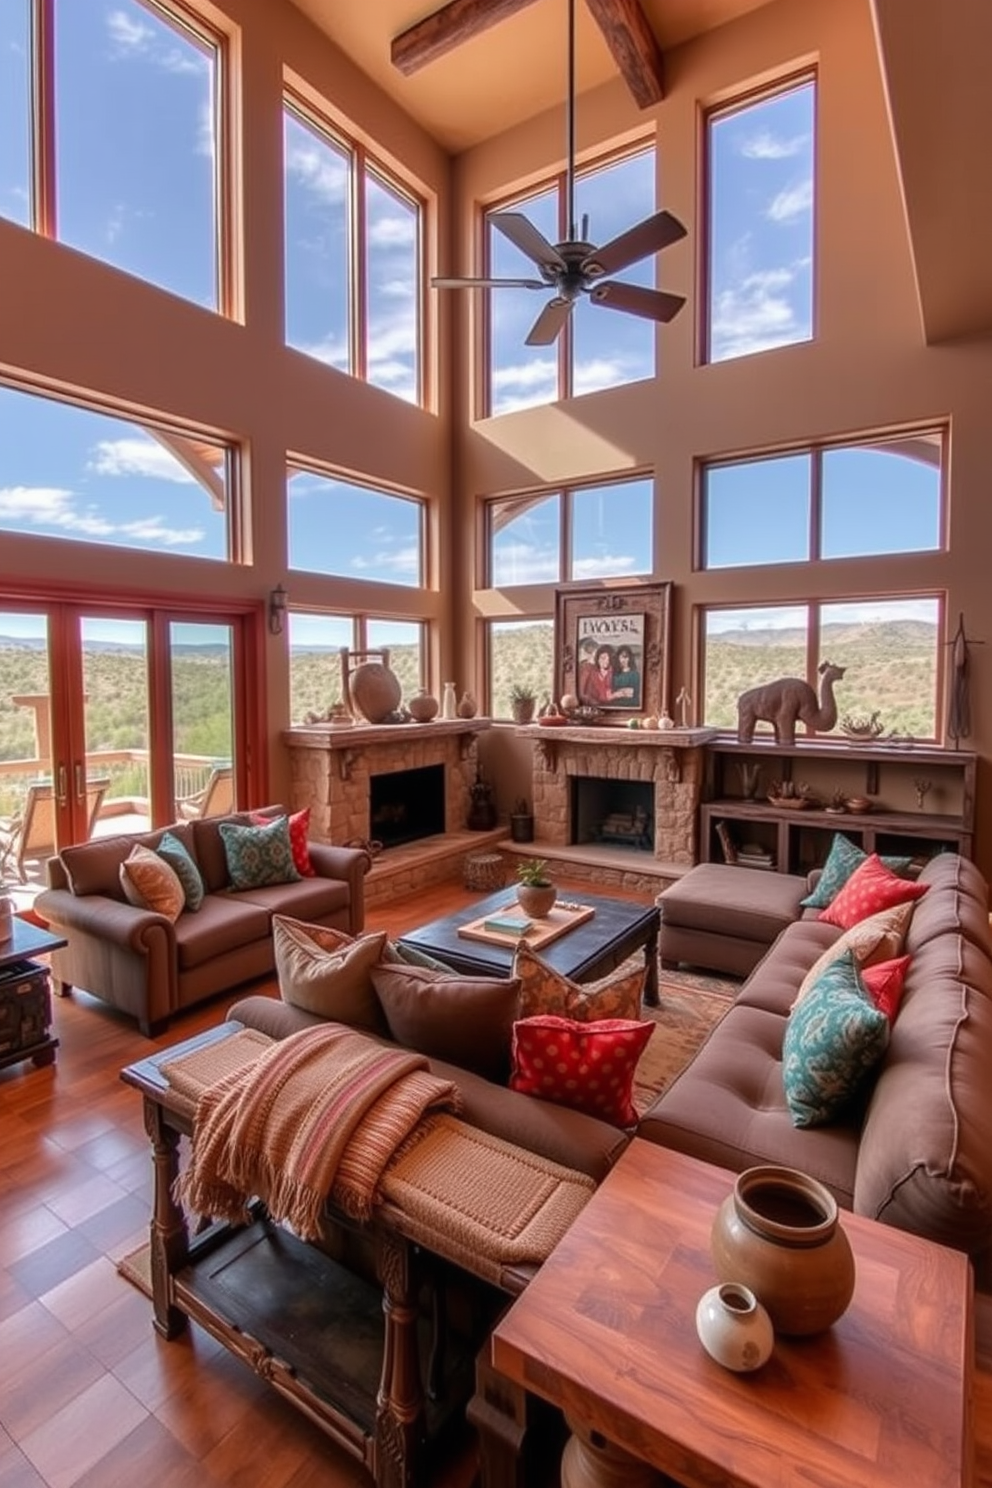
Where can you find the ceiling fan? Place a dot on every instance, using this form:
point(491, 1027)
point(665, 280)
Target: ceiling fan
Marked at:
point(575, 266)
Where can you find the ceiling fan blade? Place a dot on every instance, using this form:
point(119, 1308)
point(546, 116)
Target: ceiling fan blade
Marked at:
point(653, 304)
point(647, 237)
point(470, 283)
point(525, 236)
point(549, 324)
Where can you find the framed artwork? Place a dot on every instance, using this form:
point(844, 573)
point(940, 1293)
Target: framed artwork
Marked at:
point(611, 647)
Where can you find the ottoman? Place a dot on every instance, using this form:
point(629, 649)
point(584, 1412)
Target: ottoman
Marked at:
point(724, 918)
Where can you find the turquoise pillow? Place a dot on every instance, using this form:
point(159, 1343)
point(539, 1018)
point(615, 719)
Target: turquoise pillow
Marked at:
point(188, 874)
point(834, 1036)
point(258, 856)
point(843, 859)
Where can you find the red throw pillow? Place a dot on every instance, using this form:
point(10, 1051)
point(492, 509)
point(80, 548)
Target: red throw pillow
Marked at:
point(587, 1066)
point(871, 888)
point(884, 984)
point(299, 834)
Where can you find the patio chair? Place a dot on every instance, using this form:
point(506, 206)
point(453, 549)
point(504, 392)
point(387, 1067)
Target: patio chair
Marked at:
point(29, 835)
point(215, 799)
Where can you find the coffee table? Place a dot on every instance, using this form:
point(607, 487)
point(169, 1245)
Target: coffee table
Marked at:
point(606, 1332)
point(617, 930)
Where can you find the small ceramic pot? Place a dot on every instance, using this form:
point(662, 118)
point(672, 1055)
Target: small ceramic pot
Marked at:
point(778, 1232)
point(423, 706)
point(734, 1328)
point(536, 901)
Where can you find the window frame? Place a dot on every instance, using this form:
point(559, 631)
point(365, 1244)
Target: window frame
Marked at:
point(297, 464)
point(565, 494)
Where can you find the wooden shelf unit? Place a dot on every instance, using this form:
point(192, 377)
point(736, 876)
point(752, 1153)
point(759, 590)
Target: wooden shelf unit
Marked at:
point(800, 838)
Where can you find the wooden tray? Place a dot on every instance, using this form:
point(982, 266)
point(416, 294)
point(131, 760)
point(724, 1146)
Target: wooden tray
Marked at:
point(541, 933)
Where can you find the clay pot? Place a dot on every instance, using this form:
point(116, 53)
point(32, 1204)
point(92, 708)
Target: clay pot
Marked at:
point(536, 901)
point(467, 708)
point(375, 691)
point(779, 1234)
point(734, 1328)
point(423, 706)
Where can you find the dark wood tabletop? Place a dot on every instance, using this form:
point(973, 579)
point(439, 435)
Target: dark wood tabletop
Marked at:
point(28, 940)
point(617, 929)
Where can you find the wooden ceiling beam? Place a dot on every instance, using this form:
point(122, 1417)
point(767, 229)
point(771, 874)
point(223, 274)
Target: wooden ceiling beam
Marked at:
point(446, 29)
point(633, 46)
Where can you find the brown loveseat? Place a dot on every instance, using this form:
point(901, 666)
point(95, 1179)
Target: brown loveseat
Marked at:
point(145, 965)
point(918, 1155)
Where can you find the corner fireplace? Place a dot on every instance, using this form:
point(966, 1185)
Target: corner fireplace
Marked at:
point(405, 805)
point(613, 813)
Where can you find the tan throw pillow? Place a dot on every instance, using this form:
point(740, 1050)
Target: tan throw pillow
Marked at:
point(464, 1020)
point(150, 883)
point(544, 991)
point(326, 972)
point(879, 938)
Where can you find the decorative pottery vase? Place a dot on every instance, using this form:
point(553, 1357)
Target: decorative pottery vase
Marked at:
point(449, 702)
point(375, 691)
point(468, 707)
point(778, 1233)
point(423, 706)
point(590, 1461)
point(536, 901)
point(734, 1328)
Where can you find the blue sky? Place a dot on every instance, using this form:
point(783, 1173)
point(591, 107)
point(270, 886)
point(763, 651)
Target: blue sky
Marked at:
point(135, 170)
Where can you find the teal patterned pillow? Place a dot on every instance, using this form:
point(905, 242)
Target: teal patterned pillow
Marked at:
point(175, 854)
point(843, 858)
point(257, 856)
point(834, 1036)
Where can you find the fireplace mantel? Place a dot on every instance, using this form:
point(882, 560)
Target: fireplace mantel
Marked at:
point(360, 735)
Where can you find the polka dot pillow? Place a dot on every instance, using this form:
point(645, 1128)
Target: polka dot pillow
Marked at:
point(870, 889)
point(586, 1066)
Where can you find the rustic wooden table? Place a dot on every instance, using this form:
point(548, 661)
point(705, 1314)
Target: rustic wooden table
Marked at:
point(606, 1331)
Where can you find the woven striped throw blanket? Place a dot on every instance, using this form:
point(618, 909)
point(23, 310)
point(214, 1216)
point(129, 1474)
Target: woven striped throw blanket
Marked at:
point(317, 1115)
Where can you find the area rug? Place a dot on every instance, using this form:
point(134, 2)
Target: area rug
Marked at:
point(136, 1267)
point(689, 1008)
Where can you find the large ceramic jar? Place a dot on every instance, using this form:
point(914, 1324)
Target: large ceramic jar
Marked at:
point(375, 690)
point(778, 1232)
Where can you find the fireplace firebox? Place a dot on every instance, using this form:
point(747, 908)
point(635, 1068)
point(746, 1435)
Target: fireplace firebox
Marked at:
point(613, 813)
point(405, 805)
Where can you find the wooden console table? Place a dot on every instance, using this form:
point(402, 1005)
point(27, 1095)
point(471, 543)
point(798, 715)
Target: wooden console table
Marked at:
point(606, 1332)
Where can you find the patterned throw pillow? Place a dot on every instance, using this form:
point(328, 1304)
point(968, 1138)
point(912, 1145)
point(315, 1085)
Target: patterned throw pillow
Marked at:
point(327, 972)
point(870, 889)
point(833, 1038)
point(258, 856)
point(842, 860)
point(299, 838)
point(174, 853)
point(462, 1019)
point(544, 990)
point(149, 883)
point(586, 1066)
point(876, 939)
point(884, 984)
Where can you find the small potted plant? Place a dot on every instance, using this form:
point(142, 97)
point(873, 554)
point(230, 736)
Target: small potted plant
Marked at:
point(523, 701)
point(536, 894)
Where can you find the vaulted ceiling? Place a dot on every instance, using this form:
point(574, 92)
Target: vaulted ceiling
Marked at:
point(470, 69)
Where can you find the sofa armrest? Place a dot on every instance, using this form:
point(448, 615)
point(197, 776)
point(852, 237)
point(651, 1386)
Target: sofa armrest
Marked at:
point(96, 914)
point(349, 864)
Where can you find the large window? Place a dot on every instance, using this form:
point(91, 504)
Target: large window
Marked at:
point(351, 531)
point(890, 649)
point(590, 532)
point(850, 501)
point(132, 124)
point(72, 472)
point(315, 645)
point(521, 654)
point(353, 258)
point(599, 348)
point(760, 203)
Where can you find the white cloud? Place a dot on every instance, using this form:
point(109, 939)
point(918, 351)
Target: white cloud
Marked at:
point(46, 507)
point(590, 375)
point(402, 561)
point(333, 350)
point(393, 231)
point(526, 563)
point(130, 37)
point(755, 314)
point(794, 201)
point(768, 146)
point(322, 173)
point(144, 457)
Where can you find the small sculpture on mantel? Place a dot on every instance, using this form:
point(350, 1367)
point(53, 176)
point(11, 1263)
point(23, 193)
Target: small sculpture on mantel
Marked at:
point(788, 701)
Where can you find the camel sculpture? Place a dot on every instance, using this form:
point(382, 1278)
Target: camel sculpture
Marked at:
point(788, 701)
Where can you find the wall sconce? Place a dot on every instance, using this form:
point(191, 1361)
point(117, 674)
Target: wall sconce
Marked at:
point(277, 609)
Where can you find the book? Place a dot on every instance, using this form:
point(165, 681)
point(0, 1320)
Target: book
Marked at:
point(726, 842)
point(507, 925)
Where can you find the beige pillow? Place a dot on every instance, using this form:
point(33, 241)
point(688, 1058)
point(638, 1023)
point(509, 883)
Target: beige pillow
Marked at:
point(546, 991)
point(879, 938)
point(465, 1020)
point(326, 972)
point(150, 883)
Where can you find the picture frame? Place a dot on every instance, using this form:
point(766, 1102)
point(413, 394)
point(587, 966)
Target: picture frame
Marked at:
point(612, 646)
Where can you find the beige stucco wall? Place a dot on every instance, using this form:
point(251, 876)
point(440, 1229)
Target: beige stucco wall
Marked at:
point(867, 368)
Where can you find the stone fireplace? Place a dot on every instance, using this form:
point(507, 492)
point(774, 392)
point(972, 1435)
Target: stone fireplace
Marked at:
point(405, 805)
point(616, 813)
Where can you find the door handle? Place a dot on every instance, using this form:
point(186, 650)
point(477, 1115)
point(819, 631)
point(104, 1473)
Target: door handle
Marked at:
point(80, 774)
point(61, 785)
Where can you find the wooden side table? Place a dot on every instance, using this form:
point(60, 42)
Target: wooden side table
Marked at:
point(25, 996)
